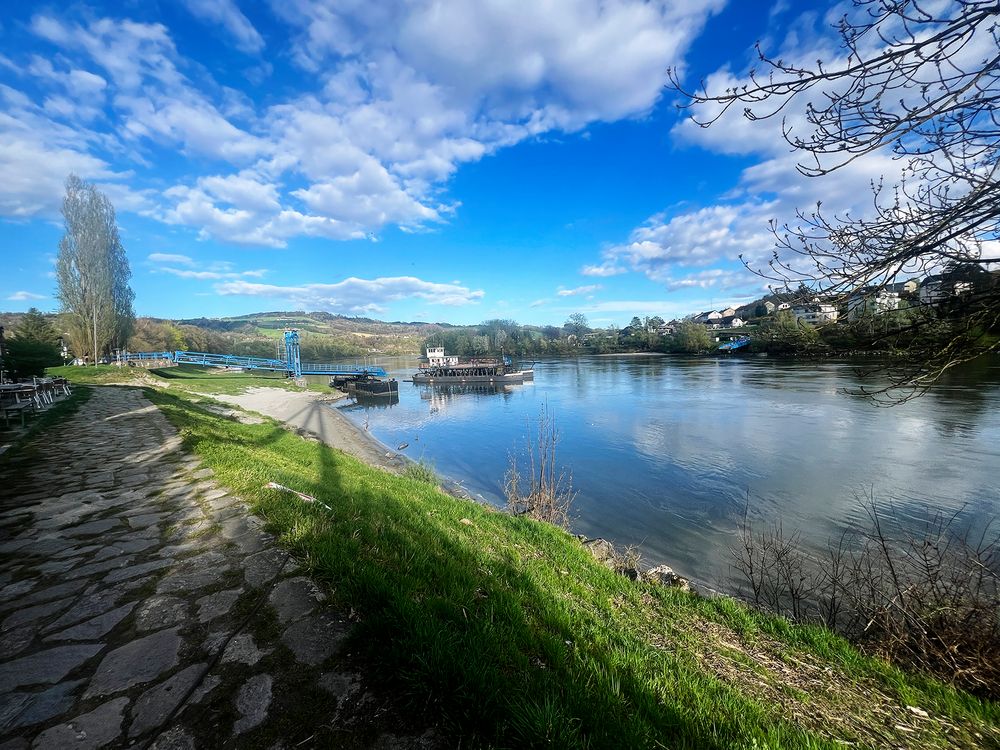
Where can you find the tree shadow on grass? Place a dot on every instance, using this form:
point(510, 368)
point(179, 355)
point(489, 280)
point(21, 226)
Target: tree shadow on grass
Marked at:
point(459, 630)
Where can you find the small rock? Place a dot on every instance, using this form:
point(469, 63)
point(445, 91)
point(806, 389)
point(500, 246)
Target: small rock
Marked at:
point(252, 702)
point(602, 550)
point(665, 576)
point(242, 649)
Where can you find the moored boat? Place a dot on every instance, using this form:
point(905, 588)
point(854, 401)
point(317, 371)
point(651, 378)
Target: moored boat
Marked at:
point(445, 368)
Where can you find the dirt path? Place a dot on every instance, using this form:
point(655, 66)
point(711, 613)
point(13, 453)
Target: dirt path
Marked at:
point(141, 605)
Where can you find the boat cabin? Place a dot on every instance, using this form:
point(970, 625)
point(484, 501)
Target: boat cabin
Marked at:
point(437, 358)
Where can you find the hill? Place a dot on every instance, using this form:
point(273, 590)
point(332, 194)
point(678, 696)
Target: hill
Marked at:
point(324, 336)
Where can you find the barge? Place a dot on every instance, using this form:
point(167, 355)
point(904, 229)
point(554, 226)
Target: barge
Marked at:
point(442, 368)
point(365, 385)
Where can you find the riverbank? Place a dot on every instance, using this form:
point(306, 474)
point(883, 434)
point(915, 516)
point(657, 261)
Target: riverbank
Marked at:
point(510, 632)
point(309, 413)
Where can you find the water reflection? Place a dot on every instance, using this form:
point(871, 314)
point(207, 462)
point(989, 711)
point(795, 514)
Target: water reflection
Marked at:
point(665, 451)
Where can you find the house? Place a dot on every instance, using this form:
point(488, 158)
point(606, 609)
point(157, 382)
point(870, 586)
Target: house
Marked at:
point(708, 318)
point(769, 307)
point(728, 312)
point(867, 301)
point(907, 287)
point(815, 313)
point(733, 322)
point(936, 289)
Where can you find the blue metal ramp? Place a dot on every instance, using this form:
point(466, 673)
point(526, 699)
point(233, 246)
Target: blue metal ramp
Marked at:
point(735, 344)
point(292, 365)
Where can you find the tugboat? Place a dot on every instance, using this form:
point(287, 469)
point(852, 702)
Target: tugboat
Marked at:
point(443, 368)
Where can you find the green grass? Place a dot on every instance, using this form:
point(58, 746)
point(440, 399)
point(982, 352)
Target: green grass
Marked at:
point(190, 378)
point(506, 629)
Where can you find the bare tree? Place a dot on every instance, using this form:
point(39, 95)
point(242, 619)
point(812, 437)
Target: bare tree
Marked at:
point(923, 85)
point(93, 272)
point(546, 494)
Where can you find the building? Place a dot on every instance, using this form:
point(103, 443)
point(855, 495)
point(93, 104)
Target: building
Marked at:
point(936, 289)
point(728, 312)
point(902, 288)
point(732, 322)
point(784, 306)
point(708, 318)
point(816, 313)
point(871, 302)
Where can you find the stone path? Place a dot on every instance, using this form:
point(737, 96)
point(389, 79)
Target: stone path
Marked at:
point(142, 606)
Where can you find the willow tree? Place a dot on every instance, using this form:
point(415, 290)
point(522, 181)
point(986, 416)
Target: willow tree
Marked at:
point(93, 272)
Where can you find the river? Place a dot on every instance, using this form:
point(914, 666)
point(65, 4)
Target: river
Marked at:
point(665, 452)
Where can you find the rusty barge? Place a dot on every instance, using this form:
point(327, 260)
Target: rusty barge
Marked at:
point(442, 368)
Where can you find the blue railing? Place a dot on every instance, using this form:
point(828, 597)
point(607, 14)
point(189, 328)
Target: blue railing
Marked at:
point(291, 366)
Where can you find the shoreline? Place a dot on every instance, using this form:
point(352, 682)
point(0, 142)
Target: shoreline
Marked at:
point(307, 413)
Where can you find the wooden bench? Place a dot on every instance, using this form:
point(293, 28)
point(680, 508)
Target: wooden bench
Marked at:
point(9, 406)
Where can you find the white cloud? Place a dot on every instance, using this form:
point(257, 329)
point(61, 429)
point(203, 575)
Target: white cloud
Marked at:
point(183, 260)
point(226, 14)
point(207, 271)
point(357, 296)
point(22, 296)
point(608, 268)
point(398, 96)
point(588, 289)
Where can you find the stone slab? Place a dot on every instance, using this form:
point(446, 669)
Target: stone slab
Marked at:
point(45, 667)
point(136, 663)
point(253, 701)
point(315, 639)
point(88, 731)
point(160, 612)
point(94, 628)
point(155, 705)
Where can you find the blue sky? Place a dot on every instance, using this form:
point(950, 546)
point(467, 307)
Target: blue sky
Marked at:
point(432, 160)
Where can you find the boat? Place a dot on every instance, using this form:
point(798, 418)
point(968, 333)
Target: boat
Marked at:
point(447, 368)
point(365, 385)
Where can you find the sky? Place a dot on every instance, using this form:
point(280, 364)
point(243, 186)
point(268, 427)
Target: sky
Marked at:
point(435, 160)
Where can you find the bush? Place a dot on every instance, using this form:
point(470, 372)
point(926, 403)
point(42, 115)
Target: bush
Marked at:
point(926, 597)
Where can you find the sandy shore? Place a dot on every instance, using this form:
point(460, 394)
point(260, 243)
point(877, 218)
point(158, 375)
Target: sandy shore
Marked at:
point(309, 413)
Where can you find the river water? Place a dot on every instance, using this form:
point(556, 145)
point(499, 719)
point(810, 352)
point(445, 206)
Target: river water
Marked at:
point(666, 452)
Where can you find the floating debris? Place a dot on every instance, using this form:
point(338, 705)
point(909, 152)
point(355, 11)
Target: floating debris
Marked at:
point(403, 446)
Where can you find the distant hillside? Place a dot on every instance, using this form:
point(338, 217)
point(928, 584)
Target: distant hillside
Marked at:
point(323, 335)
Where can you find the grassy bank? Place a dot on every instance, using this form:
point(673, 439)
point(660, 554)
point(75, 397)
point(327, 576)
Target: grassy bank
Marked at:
point(510, 633)
point(183, 377)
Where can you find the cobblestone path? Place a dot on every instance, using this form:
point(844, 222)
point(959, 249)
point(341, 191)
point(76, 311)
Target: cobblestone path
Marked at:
point(142, 606)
